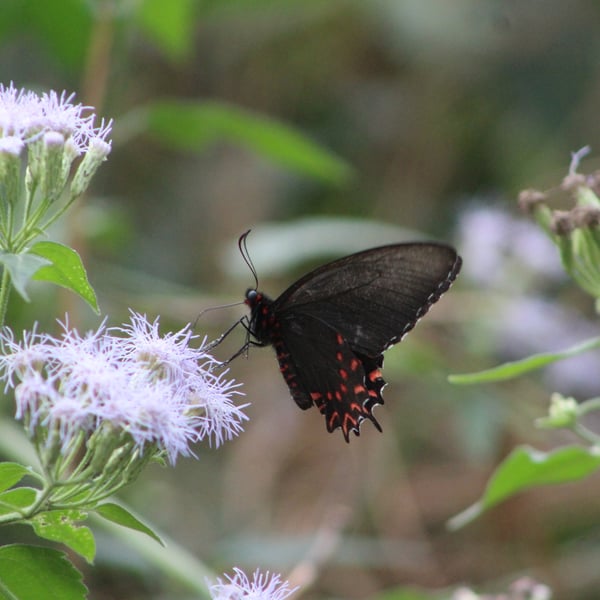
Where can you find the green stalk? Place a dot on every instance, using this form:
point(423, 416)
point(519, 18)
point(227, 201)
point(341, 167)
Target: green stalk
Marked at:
point(5, 286)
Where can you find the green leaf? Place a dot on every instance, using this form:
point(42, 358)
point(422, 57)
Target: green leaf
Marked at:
point(64, 31)
point(513, 369)
point(21, 268)
point(65, 269)
point(121, 516)
point(60, 526)
point(16, 500)
point(526, 467)
point(170, 24)
point(193, 126)
point(31, 573)
point(11, 473)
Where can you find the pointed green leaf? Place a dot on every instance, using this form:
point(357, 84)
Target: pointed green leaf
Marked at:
point(527, 467)
point(192, 126)
point(121, 516)
point(17, 499)
point(31, 573)
point(64, 268)
point(22, 268)
point(515, 368)
point(61, 526)
point(11, 473)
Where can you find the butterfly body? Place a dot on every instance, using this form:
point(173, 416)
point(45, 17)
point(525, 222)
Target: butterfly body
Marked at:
point(330, 328)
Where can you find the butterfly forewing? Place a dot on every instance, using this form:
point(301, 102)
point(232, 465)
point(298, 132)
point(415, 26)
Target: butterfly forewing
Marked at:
point(330, 328)
point(374, 297)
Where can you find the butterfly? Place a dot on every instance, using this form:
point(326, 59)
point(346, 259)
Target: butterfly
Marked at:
point(330, 328)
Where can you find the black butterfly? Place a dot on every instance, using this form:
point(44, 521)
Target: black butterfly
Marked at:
point(330, 328)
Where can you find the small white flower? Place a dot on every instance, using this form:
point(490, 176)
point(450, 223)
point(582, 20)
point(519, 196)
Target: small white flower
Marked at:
point(40, 137)
point(219, 419)
point(157, 389)
point(167, 357)
point(18, 110)
point(17, 359)
point(11, 144)
point(25, 115)
point(264, 586)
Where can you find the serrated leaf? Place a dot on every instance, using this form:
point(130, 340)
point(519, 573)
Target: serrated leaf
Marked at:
point(10, 474)
point(17, 499)
point(192, 126)
point(121, 516)
point(526, 467)
point(61, 526)
point(31, 573)
point(64, 268)
point(515, 368)
point(22, 268)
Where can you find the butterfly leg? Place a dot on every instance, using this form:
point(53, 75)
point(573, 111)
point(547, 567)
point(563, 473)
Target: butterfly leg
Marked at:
point(247, 344)
point(216, 342)
point(243, 350)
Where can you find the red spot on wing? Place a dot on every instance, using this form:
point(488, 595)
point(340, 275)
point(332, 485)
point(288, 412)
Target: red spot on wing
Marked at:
point(374, 375)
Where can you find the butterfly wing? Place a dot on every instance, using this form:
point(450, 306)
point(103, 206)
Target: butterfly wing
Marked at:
point(321, 368)
point(330, 328)
point(373, 298)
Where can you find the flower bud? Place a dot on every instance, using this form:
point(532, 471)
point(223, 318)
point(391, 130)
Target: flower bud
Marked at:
point(53, 180)
point(11, 149)
point(576, 232)
point(563, 412)
point(95, 156)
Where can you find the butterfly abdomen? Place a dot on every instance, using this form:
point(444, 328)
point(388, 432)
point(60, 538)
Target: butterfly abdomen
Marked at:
point(266, 329)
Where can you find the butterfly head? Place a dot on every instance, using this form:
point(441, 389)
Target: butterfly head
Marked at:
point(253, 297)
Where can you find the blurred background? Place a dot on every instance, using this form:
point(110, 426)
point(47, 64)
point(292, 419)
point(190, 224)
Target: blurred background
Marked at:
point(329, 127)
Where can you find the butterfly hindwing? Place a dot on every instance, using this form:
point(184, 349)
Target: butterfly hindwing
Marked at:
point(321, 368)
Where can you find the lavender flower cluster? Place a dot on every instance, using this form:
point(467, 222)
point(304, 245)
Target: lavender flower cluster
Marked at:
point(157, 389)
point(25, 116)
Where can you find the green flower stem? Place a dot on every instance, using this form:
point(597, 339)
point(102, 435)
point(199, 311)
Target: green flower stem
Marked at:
point(65, 464)
point(41, 502)
point(587, 407)
point(590, 405)
point(586, 434)
point(5, 286)
point(60, 211)
point(12, 518)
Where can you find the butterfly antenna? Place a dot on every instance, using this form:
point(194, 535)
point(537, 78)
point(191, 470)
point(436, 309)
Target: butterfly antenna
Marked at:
point(220, 306)
point(246, 256)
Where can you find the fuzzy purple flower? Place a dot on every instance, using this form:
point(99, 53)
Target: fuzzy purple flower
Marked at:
point(159, 390)
point(27, 115)
point(263, 586)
